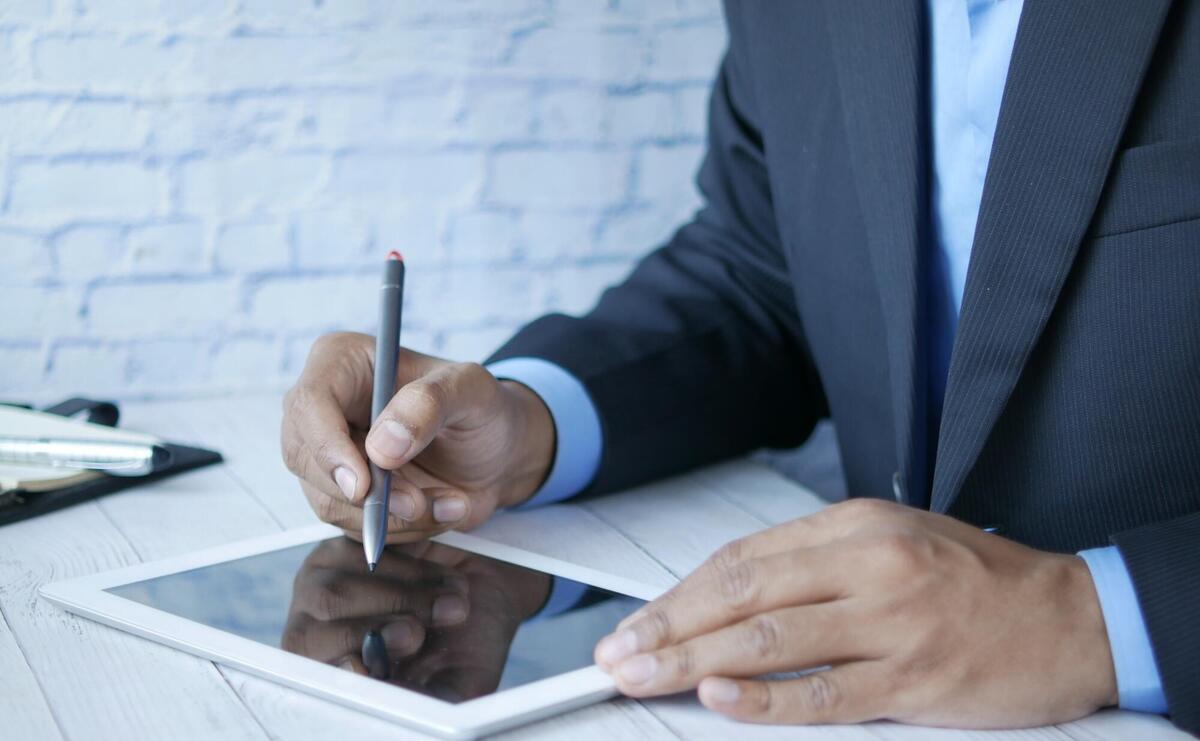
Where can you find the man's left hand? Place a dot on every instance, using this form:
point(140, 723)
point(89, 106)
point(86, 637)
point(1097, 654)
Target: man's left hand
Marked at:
point(904, 614)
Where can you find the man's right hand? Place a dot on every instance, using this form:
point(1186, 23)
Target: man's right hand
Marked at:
point(459, 442)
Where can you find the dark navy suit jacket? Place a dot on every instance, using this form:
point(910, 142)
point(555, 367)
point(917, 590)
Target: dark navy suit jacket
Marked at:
point(1072, 413)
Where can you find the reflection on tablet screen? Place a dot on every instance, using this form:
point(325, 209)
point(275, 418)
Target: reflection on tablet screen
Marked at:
point(438, 620)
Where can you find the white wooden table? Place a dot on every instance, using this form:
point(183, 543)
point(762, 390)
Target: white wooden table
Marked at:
point(62, 676)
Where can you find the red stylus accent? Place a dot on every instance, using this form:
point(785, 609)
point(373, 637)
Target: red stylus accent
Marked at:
point(394, 255)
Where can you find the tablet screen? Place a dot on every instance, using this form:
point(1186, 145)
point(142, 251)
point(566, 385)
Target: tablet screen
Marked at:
point(441, 621)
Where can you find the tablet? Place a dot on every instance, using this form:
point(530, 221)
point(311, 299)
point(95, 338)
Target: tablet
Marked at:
point(458, 636)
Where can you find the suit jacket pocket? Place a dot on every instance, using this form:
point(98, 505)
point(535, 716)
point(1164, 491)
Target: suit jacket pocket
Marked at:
point(1149, 186)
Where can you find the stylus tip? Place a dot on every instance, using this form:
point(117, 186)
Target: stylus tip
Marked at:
point(371, 566)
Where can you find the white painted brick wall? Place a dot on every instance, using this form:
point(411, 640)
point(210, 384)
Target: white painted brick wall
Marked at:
point(192, 190)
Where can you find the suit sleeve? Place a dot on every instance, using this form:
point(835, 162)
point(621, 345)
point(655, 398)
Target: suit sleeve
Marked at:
point(1164, 562)
point(698, 355)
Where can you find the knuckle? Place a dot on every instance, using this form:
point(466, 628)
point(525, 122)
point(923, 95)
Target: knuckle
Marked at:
point(440, 388)
point(333, 342)
point(658, 626)
point(398, 526)
point(292, 405)
point(479, 379)
point(764, 636)
point(294, 640)
point(899, 549)
point(328, 510)
point(821, 694)
point(400, 602)
point(682, 661)
point(328, 598)
point(737, 584)
point(323, 452)
point(289, 403)
point(294, 402)
point(729, 554)
point(304, 466)
point(322, 507)
point(472, 372)
point(293, 456)
point(325, 341)
point(864, 509)
point(761, 701)
point(427, 393)
point(348, 642)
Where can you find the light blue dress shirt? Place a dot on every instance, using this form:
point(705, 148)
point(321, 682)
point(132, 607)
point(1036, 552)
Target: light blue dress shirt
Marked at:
point(971, 45)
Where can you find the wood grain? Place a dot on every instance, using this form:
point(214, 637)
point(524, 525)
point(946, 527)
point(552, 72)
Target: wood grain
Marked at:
point(246, 431)
point(1117, 724)
point(572, 533)
point(102, 683)
point(289, 714)
point(676, 523)
point(26, 712)
point(616, 719)
point(758, 490)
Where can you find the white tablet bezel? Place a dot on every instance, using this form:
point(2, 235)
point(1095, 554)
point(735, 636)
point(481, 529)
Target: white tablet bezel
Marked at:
point(87, 596)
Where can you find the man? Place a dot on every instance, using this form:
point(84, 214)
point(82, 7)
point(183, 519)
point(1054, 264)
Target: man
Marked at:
point(862, 154)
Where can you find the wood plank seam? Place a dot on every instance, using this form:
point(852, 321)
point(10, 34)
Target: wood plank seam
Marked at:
point(99, 505)
point(188, 424)
point(590, 510)
point(625, 708)
point(242, 700)
point(33, 674)
point(249, 491)
point(749, 512)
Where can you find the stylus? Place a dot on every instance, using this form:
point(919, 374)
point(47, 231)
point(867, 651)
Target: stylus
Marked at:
point(114, 457)
point(375, 656)
point(387, 354)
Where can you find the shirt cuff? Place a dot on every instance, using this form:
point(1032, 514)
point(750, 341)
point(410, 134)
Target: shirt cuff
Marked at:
point(578, 438)
point(1138, 684)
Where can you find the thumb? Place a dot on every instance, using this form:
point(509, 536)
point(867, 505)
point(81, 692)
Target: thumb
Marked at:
point(424, 407)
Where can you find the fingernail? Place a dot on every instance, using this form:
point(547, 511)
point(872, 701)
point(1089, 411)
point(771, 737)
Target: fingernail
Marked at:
point(398, 635)
point(719, 691)
point(449, 510)
point(392, 438)
point(616, 647)
point(345, 480)
point(639, 669)
point(449, 609)
point(402, 506)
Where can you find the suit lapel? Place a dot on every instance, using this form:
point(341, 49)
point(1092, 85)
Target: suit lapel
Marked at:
point(878, 48)
point(1076, 69)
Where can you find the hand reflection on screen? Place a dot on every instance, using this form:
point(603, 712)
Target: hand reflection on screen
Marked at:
point(440, 620)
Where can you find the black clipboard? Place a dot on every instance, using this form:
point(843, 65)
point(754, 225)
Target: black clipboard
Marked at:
point(18, 505)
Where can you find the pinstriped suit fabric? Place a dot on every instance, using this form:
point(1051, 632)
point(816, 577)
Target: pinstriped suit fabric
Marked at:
point(1072, 414)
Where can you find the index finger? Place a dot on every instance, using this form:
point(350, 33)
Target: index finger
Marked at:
point(317, 446)
point(812, 531)
point(727, 594)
